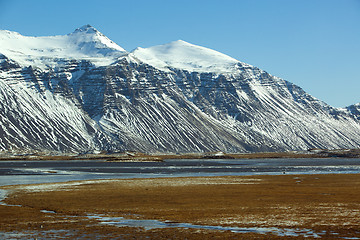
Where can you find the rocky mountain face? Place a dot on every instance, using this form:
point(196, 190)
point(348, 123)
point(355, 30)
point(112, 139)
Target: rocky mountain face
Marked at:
point(355, 110)
point(82, 92)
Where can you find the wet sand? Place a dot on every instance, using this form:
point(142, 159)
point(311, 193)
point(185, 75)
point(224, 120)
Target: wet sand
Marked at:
point(328, 205)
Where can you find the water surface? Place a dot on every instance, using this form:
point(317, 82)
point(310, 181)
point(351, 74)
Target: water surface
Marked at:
point(30, 172)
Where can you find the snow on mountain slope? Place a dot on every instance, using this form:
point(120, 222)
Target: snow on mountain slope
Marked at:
point(355, 110)
point(83, 92)
point(48, 52)
point(33, 117)
point(273, 108)
point(182, 55)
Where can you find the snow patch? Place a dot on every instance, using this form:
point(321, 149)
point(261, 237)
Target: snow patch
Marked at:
point(182, 55)
point(84, 43)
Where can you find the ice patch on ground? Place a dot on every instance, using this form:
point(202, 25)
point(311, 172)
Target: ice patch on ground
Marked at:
point(56, 186)
point(154, 224)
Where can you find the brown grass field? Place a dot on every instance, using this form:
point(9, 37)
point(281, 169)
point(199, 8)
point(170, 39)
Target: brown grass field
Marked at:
point(327, 204)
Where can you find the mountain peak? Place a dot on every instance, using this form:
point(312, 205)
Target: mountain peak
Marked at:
point(181, 42)
point(87, 29)
point(183, 55)
point(91, 36)
point(84, 43)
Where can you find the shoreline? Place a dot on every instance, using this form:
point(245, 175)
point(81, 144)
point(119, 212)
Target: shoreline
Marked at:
point(12, 173)
point(144, 157)
point(325, 204)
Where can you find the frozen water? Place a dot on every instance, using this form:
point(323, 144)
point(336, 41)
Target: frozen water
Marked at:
point(153, 224)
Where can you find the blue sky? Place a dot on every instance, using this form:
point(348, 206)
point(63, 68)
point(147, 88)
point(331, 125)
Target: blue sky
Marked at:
point(312, 43)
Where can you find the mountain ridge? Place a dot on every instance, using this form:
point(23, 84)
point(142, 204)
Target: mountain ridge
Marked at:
point(157, 100)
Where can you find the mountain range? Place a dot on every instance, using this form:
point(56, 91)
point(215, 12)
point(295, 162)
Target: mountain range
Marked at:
point(82, 92)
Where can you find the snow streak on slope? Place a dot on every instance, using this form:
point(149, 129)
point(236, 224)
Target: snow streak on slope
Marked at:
point(34, 115)
point(48, 52)
point(151, 112)
point(186, 56)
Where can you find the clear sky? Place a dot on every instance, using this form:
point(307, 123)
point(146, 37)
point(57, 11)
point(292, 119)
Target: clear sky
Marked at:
point(312, 43)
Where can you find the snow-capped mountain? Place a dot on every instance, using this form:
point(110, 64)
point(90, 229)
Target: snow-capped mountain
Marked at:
point(85, 43)
point(83, 92)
